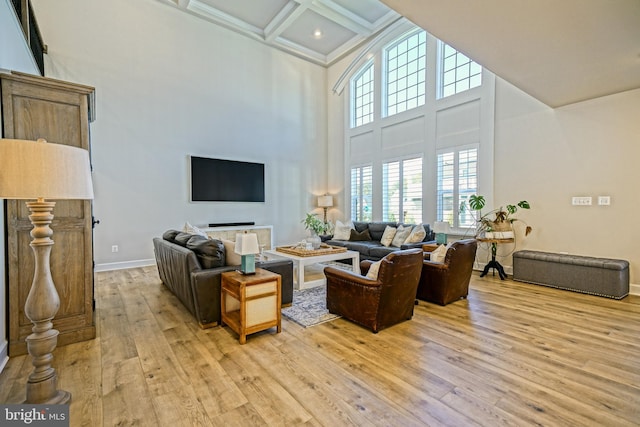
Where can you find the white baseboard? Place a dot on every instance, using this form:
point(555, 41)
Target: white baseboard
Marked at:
point(124, 265)
point(634, 289)
point(4, 354)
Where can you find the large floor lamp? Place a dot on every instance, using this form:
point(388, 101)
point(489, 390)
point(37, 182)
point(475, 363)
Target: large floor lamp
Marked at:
point(37, 170)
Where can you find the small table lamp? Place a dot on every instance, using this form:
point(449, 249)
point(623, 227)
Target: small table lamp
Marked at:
point(247, 246)
point(325, 202)
point(441, 228)
point(37, 170)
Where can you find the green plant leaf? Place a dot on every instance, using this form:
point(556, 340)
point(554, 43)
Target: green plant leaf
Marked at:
point(476, 202)
point(524, 204)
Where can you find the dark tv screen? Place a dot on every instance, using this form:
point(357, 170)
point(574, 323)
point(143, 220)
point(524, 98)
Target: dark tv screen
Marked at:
point(218, 180)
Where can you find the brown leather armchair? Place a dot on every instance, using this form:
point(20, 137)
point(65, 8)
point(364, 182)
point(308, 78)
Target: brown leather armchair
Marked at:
point(448, 281)
point(377, 304)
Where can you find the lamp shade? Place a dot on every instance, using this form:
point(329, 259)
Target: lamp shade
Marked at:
point(325, 201)
point(441, 227)
point(247, 244)
point(40, 170)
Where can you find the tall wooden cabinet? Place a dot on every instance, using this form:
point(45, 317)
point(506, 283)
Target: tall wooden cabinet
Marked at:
point(36, 107)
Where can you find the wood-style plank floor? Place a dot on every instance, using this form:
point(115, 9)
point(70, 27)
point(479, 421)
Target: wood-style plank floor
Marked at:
point(512, 354)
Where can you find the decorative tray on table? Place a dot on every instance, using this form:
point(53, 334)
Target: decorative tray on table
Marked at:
point(324, 249)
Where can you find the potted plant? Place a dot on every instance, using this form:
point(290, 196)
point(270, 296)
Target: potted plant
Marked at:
point(316, 226)
point(498, 220)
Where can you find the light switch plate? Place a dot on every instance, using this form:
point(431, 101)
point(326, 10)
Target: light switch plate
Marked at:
point(581, 201)
point(604, 200)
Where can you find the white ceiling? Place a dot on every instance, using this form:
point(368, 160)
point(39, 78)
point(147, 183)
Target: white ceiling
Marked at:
point(559, 52)
point(290, 25)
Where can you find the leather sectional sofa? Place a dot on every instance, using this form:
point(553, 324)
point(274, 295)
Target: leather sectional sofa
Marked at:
point(190, 266)
point(373, 249)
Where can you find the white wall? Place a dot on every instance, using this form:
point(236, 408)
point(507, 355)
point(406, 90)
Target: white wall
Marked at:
point(168, 85)
point(546, 156)
point(14, 55)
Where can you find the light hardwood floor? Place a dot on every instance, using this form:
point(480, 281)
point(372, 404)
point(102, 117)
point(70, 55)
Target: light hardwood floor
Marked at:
point(512, 354)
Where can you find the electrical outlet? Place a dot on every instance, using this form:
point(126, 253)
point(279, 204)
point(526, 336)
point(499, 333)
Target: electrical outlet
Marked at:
point(581, 201)
point(604, 200)
point(114, 248)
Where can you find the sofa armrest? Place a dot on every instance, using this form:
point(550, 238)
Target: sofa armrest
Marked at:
point(206, 286)
point(415, 245)
point(339, 275)
point(283, 267)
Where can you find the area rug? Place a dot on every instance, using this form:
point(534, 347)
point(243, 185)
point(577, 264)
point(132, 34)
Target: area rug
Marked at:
point(309, 307)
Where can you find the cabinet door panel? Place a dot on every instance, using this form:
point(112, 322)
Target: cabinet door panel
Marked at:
point(36, 107)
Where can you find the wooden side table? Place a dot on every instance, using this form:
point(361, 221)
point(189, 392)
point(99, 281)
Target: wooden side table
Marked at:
point(251, 303)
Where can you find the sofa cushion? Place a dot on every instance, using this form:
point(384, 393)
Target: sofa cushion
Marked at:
point(379, 252)
point(364, 247)
point(376, 229)
point(182, 238)
point(357, 237)
point(401, 235)
point(360, 226)
point(210, 252)
point(170, 235)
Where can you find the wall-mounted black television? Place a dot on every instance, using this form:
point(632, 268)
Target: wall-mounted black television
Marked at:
point(219, 180)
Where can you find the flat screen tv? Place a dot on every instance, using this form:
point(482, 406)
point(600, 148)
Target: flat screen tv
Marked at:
point(219, 180)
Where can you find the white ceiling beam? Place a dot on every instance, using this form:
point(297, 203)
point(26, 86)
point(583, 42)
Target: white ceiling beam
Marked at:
point(342, 16)
point(214, 15)
point(284, 19)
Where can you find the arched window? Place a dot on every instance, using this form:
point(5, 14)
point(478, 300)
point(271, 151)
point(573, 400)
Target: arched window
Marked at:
point(362, 94)
point(405, 64)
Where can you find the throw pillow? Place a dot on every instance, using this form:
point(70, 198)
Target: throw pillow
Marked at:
point(230, 255)
point(401, 235)
point(439, 254)
point(342, 231)
point(373, 271)
point(359, 237)
point(387, 236)
point(210, 252)
point(192, 229)
point(417, 235)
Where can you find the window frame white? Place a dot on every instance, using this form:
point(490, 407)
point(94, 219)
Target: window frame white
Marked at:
point(402, 193)
point(369, 65)
point(456, 198)
point(384, 93)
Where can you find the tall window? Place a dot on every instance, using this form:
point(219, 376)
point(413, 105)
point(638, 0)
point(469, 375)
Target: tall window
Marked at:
point(457, 179)
point(402, 191)
point(361, 193)
point(362, 97)
point(405, 73)
point(457, 72)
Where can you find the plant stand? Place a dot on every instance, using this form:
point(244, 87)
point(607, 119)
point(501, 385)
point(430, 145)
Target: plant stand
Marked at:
point(493, 264)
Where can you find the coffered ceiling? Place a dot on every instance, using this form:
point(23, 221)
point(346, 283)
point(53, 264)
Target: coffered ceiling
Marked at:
point(559, 52)
point(321, 31)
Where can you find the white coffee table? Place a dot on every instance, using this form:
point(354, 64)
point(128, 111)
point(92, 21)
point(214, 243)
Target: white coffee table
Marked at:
point(300, 262)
